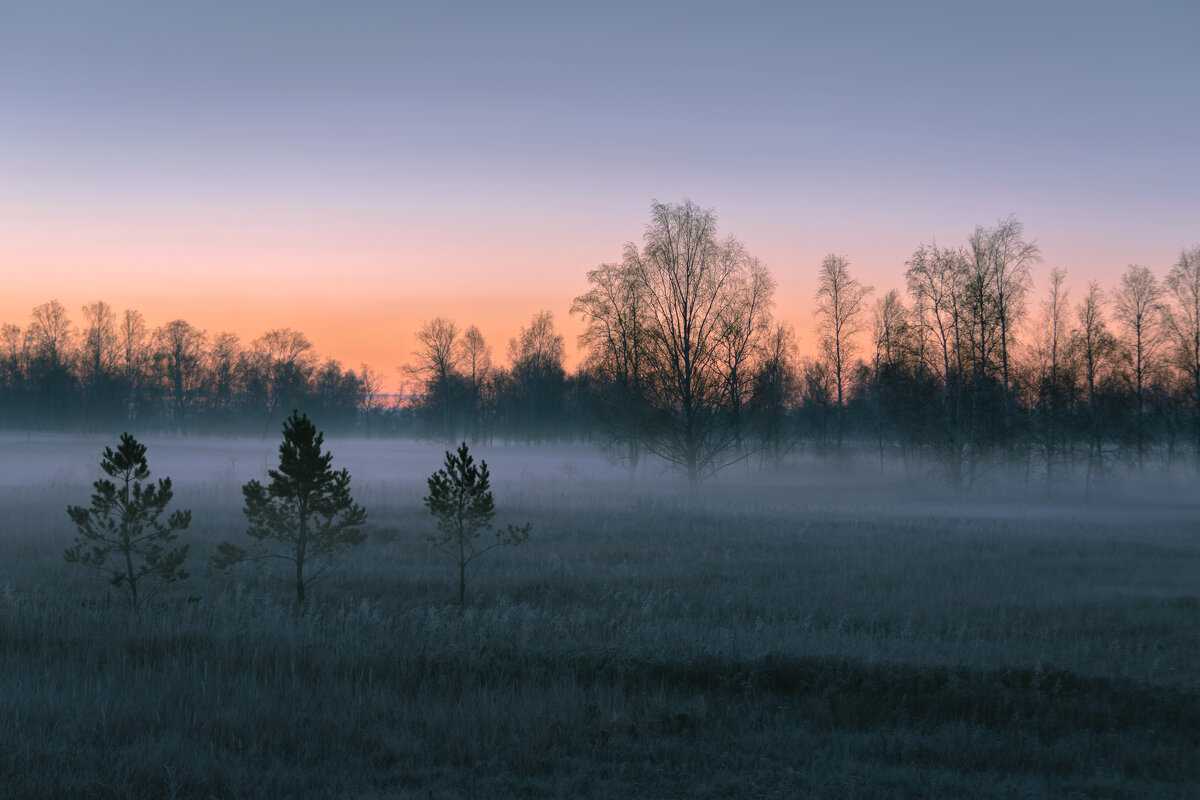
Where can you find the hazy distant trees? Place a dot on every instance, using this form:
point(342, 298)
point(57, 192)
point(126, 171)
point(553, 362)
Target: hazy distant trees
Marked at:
point(616, 344)
point(999, 281)
point(1183, 283)
point(437, 357)
point(841, 301)
point(744, 326)
point(1096, 347)
point(281, 364)
point(122, 534)
point(50, 350)
point(936, 280)
point(537, 376)
point(683, 362)
point(178, 354)
point(224, 366)
point(1052, 376)
point(114, 369)
point(774, 392)
point(891, 367)
point(99, 362)
point(1139, 312)
point(135, 356)
point(476, 365)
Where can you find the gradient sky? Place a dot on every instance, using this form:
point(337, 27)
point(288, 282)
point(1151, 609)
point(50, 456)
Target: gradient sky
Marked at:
point(350, 169)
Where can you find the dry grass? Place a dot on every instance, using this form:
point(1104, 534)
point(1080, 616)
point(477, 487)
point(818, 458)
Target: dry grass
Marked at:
point(646, 642)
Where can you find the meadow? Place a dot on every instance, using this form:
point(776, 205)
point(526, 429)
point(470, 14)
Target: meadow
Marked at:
point(805, 633)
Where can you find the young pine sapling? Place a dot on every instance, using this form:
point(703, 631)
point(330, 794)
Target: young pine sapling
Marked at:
point(305, 515)
point(460, 497)
point(121, 535)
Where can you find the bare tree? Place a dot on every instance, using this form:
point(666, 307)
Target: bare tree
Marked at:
point(51, 352)
point(135, 358)
point(536, 359)
point(284, 360)
point(476, 358)
point(688, 279)
point(99, 355)
point(222, 369)
point(50, 333)
point(841, 299)
point(1050, 361)
point(775, 385)
point(745, 324)
point(891, 332)
point(438, 355)
point(100, 340)
point(1096, 346)
point(937, 280)
point(13, 364)
point(1183, 283)
point(1002, 263)
point(615, 338)
point(179, 353)
point(1139, 311)
point(369, 384)
point(816, 398)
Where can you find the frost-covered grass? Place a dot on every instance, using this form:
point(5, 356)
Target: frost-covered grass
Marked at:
point(779, 638)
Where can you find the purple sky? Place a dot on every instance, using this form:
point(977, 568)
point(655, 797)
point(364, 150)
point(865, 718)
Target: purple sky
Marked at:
point(351, 169)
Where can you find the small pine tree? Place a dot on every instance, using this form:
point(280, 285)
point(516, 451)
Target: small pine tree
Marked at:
point(123, 522)
point(306, 510)
point(460, 496)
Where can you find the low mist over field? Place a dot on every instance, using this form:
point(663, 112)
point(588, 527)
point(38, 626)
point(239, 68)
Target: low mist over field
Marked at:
point(792, 632)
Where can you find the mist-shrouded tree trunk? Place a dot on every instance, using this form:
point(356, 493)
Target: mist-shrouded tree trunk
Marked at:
point(840, 302)
point(689, 279)
point(536, 356)
point(285, 360)
point(1139, 312)
point(476, 361)
point(890, 323)
point(615, 339)
point(937, 279)
point(1051, 348)
point(775, 386)
point(222, 367)
point(1096, 346)
point(744, 325)
point(51, 350)
point(179, 353)
point(1183, 283)
point(1003, 260)
point(135, 361)
point(437, 360)
point(98, 361)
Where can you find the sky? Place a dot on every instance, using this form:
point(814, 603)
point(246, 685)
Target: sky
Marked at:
point(353, 169)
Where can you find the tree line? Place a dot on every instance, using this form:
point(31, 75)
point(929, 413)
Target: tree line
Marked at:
point(965, 366)
point(684, 361)
point(112, 370)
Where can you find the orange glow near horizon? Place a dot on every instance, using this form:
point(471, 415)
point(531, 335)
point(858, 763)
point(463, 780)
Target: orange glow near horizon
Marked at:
point(359, 294)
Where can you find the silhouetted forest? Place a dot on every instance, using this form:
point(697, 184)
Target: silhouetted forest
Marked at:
point(685, 360)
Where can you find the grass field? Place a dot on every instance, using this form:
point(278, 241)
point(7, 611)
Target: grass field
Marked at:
point(799, 635)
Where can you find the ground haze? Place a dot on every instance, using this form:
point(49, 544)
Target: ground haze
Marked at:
point(799, 633)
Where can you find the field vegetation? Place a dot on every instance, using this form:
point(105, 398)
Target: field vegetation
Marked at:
point(793, 634)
